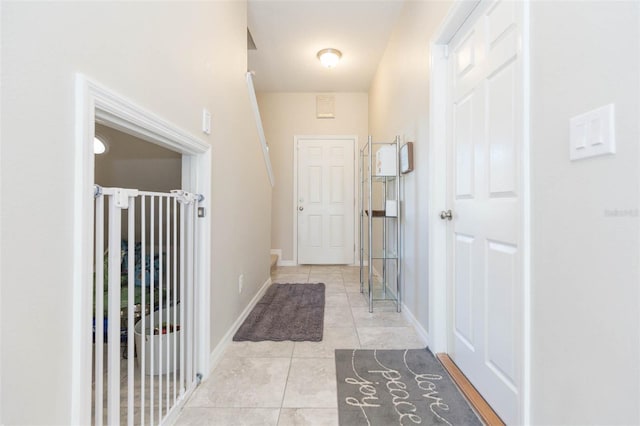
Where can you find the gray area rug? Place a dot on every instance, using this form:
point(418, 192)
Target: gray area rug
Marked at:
point(397, 387)
point(286, 312)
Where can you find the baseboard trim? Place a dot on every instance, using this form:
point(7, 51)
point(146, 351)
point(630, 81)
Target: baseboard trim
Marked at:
point(477, 402)
point(281, 262)
point(218, 351)
point(422, 333)
point(277, 252)
point(175, 412)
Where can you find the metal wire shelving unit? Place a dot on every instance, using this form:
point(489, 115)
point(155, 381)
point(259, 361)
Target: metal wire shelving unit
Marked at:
point(380, 232)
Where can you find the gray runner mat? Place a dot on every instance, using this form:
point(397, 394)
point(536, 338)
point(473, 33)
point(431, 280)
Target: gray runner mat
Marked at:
point(286, 312)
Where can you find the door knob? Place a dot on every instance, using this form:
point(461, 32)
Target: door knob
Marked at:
point(446, 215)
point(300, 208)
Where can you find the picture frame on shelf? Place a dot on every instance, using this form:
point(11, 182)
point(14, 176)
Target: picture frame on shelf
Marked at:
point(406, 158)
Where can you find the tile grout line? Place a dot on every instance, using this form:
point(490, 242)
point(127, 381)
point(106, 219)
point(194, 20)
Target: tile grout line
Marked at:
point(289, 370)
point(286, 383)
point(355, 327)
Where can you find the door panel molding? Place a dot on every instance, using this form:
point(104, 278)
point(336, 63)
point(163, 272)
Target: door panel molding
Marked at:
point(335, 153)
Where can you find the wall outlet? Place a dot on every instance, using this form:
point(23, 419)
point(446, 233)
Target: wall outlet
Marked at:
point(240, 283)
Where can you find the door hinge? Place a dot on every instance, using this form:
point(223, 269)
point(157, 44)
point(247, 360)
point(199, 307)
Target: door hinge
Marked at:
point(202, 212)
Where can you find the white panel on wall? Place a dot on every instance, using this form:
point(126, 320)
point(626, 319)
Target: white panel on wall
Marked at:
point(465, 56)
point(500, 330)
point(315, 184)
point(501, 104)
point(463, 140)
point(337, 153)
point(314, 153)
point(500, 19)
point(325, 106)
point(337, 230)
point(337, 184)
point(464, 272)
point(315, 231)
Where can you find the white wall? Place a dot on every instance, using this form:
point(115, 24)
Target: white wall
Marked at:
point(586, 278)
point(170, 58)
point(285, 115)
point(399, 105)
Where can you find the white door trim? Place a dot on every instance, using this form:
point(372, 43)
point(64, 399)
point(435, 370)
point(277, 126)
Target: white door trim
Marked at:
point(95, 103)
point(296, 138)
point(440, 318)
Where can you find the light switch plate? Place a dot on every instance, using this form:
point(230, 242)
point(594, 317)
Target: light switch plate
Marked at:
point(592, 133)
point(206, 122)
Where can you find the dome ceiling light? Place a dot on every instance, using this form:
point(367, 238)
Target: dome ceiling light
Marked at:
point(329, 58)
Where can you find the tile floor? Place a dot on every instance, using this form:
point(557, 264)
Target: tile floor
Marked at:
point(159, 389)
point(294, 383)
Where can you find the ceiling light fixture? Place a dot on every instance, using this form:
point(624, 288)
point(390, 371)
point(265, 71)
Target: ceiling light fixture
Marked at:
point(99, 147)
point(329, 57)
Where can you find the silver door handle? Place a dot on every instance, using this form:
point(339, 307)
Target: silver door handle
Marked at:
point(300, 208)
point(446, 215)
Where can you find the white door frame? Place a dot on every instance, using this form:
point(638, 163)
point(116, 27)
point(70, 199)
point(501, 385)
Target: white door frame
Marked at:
point(95, 103)
point(296, 138)
point(440, 319)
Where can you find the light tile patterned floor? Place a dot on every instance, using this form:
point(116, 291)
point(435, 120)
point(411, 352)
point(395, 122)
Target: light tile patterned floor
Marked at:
point(294, 383)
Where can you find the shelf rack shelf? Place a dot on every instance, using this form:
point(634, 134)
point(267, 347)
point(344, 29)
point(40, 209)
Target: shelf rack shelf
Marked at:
point(380, 265)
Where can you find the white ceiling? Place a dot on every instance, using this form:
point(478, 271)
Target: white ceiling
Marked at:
point(289, 34)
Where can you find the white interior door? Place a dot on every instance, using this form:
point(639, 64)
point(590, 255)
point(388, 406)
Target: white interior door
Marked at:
point(485, 190)
point(325, 201)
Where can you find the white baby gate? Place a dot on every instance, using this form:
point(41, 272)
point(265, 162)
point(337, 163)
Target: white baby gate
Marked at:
point(149, 273)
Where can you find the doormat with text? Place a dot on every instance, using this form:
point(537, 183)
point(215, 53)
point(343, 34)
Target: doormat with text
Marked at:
point(397, 387)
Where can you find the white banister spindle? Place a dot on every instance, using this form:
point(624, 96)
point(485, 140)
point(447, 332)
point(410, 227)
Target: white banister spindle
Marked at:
point(152, 302)
point(113, 315)
point(161, 308)
point(143, 308)
point(167, 297)
point(192, 291)
point(99, 313)
point(131, 262)
point(189, 283)
point(175, 299)
point(182, 298)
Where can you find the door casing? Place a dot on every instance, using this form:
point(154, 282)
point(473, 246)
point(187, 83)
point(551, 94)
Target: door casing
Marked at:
point(96, 103)
point(296, 138)
point(440, 316)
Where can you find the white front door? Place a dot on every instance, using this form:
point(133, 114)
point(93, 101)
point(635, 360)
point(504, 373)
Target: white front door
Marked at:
point(325, 200)
point(485, 194)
